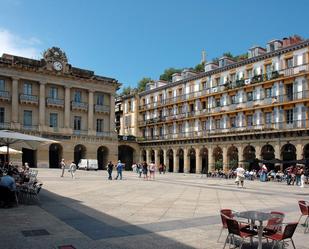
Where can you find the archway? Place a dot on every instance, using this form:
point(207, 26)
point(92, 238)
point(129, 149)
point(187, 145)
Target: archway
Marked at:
point(55, 155)
point(180, 160)
point(144, 155)
point(232, 157)
point(218, 158)
point(126, 156)
point(152, 156)
point(102, 157)
point(29, 156)
point(192, 157)
point(288, 155)
point(204, 156)
point(170, 159)
point(250, 161)
point(161, 156)
point(79, 153)
point(306, 155)
point(268, 153)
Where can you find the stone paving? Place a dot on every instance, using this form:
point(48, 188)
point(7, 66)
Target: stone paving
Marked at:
point(173, 211)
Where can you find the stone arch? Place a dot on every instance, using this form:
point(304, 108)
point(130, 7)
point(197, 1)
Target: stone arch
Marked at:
point(151, 155)
point(79, 153)
point(55, 155)
point(126, 155)
point(306, 155)
point(232, 157)
point(102, 157)
point(268, 154)
point(170, 158)
point(249, 156)
point(144, 155)
point(161, 156)
point(218, 157)
point(288, 155)
point(180, 155)
point(192, 160)
point(204, 157)
point(29, 156)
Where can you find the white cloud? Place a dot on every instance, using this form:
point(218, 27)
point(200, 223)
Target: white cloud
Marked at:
point(13, 44)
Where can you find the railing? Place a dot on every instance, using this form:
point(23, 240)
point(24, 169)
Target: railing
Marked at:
point(32, 99)
point(103, 133)
point(55, 102)
point(257, 128)
point(29, 127)
point(5, 125)
point(79, 105)
point(80, 132)
point(235, 84)
point(102, 108)
point(4, 95)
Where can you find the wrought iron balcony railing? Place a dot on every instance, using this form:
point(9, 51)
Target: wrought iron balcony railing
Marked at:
point(29, 99)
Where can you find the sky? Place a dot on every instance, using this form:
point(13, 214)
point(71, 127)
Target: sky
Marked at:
point(128, 40)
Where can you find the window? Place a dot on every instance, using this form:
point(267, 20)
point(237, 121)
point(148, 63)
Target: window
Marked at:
point(144, 132)
point(1, 115)
point(78, 96)
point(204, 105)
point(160, 114)
point(53, 120)
point(151, 132)
point(27, 118)
point(180, 128)
point(289, 91)
point(170, 129)
point(53, 92)
point(249, 120)
point(249, 73)
point(233, 122)
point(100, 125)
point(144, 116)
point(233, 99)
point(268, 118)
point(249, 96)
point(2, 85)
point(27, 88)
point(233, 77)
point(218, 104)
point(191, 107)
point(204, 85)
point(289, 116)
point(129, 106)
point(289, 62)
point(77, 123)
point(161, 131)
point(268, 68)
point(217, 124)
point(127, 121)
point(268, 93)
point(100, 99)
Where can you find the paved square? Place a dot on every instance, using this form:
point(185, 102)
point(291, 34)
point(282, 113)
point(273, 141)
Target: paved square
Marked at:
point(174, 211)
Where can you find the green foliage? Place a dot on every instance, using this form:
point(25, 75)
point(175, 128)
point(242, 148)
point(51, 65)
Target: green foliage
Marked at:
point(167, 75)
point(126, 90)
point(219, 164)
point(233, 164)
point(228, 54)
point(142, 84)
point(199, 67)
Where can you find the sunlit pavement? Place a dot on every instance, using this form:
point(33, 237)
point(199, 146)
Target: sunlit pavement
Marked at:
point(172, 211)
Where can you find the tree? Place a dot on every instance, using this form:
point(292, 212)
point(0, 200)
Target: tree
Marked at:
point(167, 75)
point(199, 67)
point(126, 90)
point(142, 83)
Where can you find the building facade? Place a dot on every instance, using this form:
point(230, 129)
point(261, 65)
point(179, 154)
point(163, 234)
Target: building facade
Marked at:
point(237, 111)
point(53, 99)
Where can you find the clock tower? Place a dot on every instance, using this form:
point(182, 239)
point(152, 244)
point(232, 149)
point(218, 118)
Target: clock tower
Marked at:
point(56, 60)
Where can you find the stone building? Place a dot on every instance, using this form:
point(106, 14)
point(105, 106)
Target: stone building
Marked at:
point(237, 111)
point(53, 99)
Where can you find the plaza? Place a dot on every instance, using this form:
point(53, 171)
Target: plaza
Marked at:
point(173, 211)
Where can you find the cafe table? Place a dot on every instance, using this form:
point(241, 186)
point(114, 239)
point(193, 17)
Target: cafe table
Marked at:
point(253, 216)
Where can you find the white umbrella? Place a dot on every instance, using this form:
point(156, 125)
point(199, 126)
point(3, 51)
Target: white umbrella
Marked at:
point(4, 150)
point(8, 138)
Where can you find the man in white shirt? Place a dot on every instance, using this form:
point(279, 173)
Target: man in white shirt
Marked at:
point(240, 172)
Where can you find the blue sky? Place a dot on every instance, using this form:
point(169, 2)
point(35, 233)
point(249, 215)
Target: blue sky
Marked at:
point(128, 40)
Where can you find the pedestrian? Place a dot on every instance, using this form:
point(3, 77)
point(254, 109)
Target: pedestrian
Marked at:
point(140, 170)
point(62, 166)
point(302, 177)
point(72, 169)
point(110, 167)
point(263, 174)
point(240, 176)
point(145, 170)
point(119, 168)
point(152, 169)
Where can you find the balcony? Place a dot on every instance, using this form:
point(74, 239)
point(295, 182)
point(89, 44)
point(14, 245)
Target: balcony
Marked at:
point(80, 132)
point(102, 109)
point(103, 134)
point(5, 96)
point(53, 102)
point(26, 127)
point(79, 106)
point(5, 125)
point(29, 99)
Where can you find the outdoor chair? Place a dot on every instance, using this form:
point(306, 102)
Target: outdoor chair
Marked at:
point(274, 224)
point(304, 209)
point(30, 193)
point(287, 234)
point(224, 214)
point(235, 229)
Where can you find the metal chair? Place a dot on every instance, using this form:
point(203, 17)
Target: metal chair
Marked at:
point(286, 235)
point(224, 214)
point(304, 209)
point(274, 224)
point(234, 228)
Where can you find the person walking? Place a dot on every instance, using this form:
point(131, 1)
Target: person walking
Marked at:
point(119, 168)
point(240, 176)
point(152, 169)
point(62, 166)
point(140, 170)
point(110, 167)
point(145, 170)
point(302, 177)
point(72, 169)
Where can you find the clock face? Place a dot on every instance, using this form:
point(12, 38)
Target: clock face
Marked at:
point(57, 66)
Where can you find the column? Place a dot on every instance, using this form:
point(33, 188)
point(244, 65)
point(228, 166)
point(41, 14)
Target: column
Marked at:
point(156, 156)
point(186, 161)
point(198, 166)
point(148, 159)
point(225, 163)
point(258, 152)
point(211, 165)
point(90, 111)
point(15, 106)
point(165, 159)
point(42, 105)
point(112, 114)
point(175, 161)
point(277, 151)
point(240, 155)
point(141, 156)
point(299, 151)
point(67, 107)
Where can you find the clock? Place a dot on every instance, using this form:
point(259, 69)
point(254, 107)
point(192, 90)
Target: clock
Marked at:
point(57, 66)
